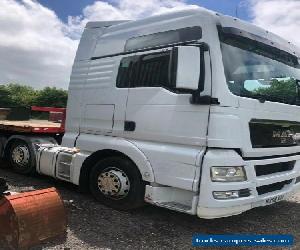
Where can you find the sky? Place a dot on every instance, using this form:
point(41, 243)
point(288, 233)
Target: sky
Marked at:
point(39, 38)
point(65, 8)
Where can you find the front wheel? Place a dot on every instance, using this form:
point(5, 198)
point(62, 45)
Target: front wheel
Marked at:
point(21, 158)
point(117, 183)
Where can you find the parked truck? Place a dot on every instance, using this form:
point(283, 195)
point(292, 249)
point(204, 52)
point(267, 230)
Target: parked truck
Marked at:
point(192, 111)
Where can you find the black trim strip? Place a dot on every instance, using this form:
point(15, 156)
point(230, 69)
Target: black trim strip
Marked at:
point(173, 66)
point(272, 168)
point(269, 157)
point(141, 50)
point(273, 187)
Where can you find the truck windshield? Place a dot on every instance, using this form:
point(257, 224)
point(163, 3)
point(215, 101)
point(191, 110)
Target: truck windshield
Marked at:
point(261, 73)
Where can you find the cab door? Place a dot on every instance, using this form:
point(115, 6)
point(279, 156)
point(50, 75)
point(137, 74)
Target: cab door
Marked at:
point(161, 120)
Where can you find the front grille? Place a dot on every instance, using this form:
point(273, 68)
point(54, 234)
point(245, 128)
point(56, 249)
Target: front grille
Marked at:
point(272, 187)
point(274, 168)
point(244, 192)
point(271, 133)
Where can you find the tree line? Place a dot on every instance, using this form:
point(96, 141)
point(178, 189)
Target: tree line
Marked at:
point(17, 95)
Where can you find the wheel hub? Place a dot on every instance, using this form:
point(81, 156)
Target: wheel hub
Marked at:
point(21, 155)
point(114, 183)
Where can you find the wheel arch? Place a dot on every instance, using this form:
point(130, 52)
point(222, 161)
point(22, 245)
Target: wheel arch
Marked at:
point(141, 163)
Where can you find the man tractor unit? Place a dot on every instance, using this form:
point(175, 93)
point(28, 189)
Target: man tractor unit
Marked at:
point(192, 111)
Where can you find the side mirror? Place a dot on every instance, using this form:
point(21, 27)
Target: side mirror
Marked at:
point(186, 67)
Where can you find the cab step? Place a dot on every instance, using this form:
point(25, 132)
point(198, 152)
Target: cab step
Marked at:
point(172, 198)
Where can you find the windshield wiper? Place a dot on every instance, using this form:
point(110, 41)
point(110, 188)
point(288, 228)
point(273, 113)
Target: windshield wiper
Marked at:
point(263, 98)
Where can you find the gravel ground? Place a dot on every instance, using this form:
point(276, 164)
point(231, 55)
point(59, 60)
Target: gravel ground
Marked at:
point(94, 226)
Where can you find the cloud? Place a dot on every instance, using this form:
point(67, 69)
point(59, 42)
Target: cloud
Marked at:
point(34, 49)
point(279, 16)
point(123, 10)
point(38, 49)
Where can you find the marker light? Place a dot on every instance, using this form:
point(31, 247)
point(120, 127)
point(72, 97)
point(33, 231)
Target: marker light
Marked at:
point(233, 194)
point(225, 195)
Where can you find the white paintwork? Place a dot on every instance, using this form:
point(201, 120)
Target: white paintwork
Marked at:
point(170, 197)
point(98, 118)
point(221, 208)
point(174, 143)
point(92, 143)
point(173, 165)
point(188, 67)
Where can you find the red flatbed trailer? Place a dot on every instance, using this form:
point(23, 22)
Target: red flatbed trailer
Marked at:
point(20, 130)
point(34, 126)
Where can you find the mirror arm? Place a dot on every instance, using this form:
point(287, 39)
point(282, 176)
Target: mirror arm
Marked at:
point(173, 66)
point(298, 90)
point(203, 100)
point(196, 97)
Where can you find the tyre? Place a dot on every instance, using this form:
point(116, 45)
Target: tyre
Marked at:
point(21, 157)
point(116, 182)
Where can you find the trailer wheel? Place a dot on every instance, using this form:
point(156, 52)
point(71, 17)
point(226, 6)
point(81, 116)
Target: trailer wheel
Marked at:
point(21, 158)
point(117, 183)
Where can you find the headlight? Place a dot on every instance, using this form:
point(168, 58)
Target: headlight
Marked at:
point(228, 174)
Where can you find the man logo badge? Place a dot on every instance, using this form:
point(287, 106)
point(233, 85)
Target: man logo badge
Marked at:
point(284, 135)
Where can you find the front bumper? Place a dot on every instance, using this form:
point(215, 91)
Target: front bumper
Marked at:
point(285, 183)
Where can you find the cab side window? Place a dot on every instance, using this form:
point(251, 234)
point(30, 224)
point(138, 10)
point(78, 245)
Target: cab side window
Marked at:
point(150, 70)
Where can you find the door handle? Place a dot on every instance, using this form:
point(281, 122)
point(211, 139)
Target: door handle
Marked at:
point(129, 126)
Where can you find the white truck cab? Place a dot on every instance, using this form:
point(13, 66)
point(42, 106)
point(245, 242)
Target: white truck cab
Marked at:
point(192, 111)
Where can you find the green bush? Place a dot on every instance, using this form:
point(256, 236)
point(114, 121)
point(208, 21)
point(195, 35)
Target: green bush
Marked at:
point(16, 95)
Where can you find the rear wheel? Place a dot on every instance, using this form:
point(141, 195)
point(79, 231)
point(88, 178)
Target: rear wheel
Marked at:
point(117, 183)
point(21, 158)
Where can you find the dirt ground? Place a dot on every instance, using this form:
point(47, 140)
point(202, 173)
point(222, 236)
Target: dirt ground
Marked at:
point(94, 226)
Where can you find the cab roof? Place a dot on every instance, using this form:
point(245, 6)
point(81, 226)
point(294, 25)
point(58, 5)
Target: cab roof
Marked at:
point(128, 29)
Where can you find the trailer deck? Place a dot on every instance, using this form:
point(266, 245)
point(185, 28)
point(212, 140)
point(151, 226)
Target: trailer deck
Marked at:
point(31, 126)
point(35, 125)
